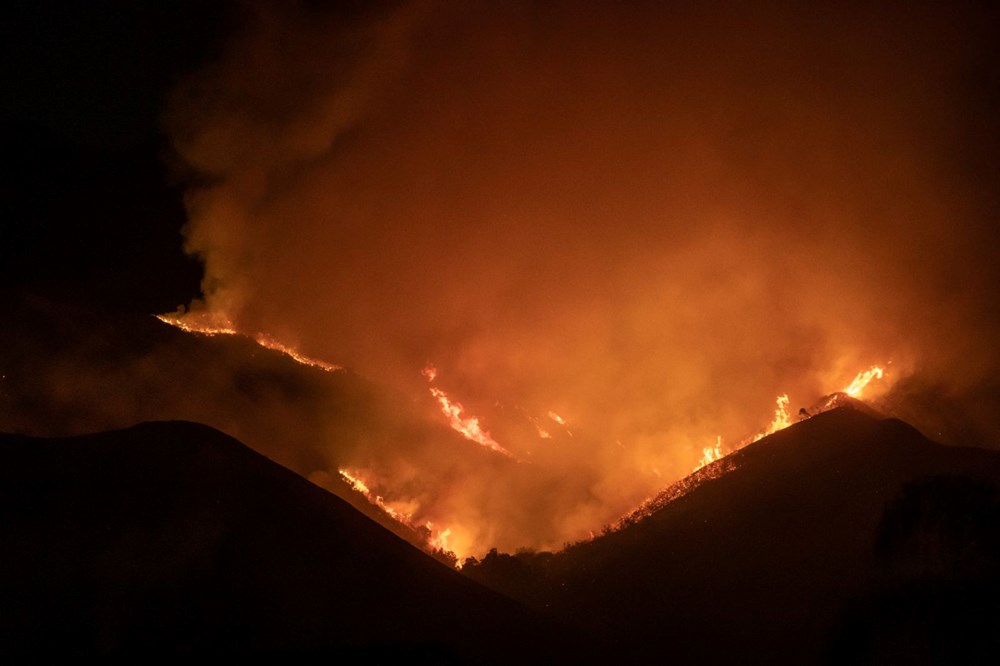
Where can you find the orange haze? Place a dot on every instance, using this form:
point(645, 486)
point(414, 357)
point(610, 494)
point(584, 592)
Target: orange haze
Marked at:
point(648, 218)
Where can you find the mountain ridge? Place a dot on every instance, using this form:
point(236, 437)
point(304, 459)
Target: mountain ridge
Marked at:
point(772, 559)
point(173, 538)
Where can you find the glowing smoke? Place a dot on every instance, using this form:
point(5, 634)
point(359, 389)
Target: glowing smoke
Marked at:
point(648, 219)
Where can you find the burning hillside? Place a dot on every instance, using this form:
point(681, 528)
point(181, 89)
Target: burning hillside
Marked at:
point(444, 517)
point(845, 538)
point(506, 276)
point(517, 267)
point(581, 213)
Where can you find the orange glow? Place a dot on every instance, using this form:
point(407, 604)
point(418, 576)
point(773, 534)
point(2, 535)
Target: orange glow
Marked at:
point(355, 482)
point(203, 323)
point(542, 432)
point(781, 418)
point(358, 484)
point(709, 454)
point(450, 540)
point(676, 490)
point(862, 380)
point(214, 324)
point(561, 421)
point(268, 342)
point(440, 539)
point(467, 426)
point(430, 372)
point(602, 223)
point(444, 540)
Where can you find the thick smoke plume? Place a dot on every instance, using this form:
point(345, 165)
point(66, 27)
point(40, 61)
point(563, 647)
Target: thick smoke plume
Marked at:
point(648, 218)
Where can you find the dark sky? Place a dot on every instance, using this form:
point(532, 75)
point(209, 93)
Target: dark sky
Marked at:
point(91, 213)
point(98, 72)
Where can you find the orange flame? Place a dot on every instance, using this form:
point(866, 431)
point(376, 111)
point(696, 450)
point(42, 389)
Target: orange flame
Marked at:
point(561, 421)
point(862, 380)
point(468, 426)
point(542, 432)
point(709, 454)
point(211, 324)
point(437, 540)
point(430, 372)
point(358, 484)
point(440, 539)
point(781, 418)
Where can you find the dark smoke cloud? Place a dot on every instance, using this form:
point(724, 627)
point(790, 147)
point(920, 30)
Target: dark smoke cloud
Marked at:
point(651, 218)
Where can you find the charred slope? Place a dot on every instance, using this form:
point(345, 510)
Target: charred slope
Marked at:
point(170, 538)
point(810, 549)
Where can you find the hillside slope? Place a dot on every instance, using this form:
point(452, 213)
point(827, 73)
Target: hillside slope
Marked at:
point(172, 538)
point(801, 553)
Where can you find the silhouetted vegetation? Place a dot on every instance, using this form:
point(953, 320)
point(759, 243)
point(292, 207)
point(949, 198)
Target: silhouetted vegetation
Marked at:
point(526, 575)
point(937, 582)
point(845, 536)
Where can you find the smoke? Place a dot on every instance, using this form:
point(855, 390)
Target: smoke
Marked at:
point(649, 218)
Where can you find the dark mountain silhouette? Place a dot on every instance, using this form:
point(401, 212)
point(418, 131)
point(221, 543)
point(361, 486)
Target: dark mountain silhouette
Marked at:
point(845, 537)
point(841, 537)
point(172, 538)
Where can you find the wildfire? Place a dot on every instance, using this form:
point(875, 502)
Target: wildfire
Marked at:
point(862, 380)
point(709, 454)
point(542, 432)
point(468, 426)
point(208, 324)
point(781, 418)
point(440, 539)
point(359, 485)
point(561, 421)
point(451, 541)
point(437, 540)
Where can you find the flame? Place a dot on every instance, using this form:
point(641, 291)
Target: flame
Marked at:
point(201, 323)
point(781, 418)
point(358, 484)
point(468, 426)
point(430, 372)
point(862, 380)
point(440, 539)
point(542, 432)
point(677, 489)
point(451, 540)
point(214, 324)
point(561, 421)
point(709, 454)
point(437, 540)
